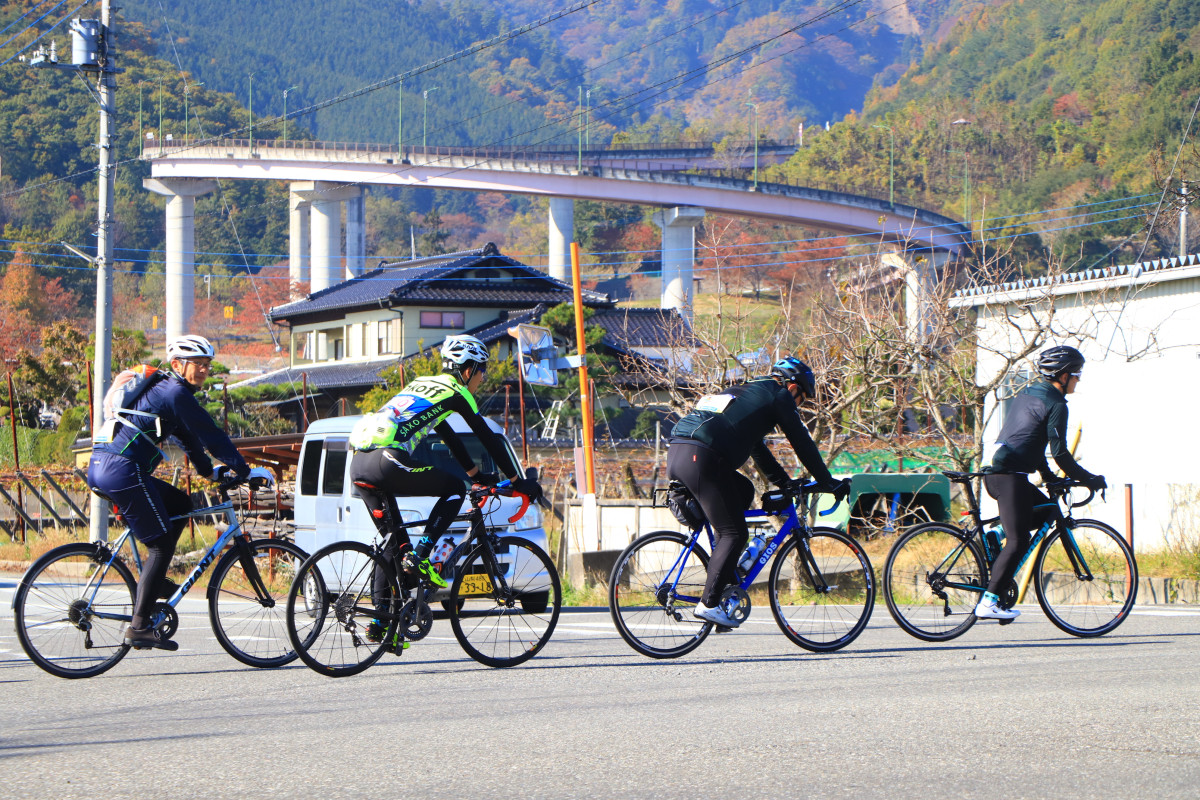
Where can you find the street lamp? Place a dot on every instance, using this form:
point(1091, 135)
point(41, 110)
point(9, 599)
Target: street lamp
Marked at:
point(187, 87)
point(891, 163)
point(160, 113)
point(400, 127)
point(425, 114)
point(285, 94)
point(579, 128)
point(755, 107)
point(141, 135)
point(587, 119)
point(966, 175)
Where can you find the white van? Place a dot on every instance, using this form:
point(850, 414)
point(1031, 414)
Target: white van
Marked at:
point(328, 508)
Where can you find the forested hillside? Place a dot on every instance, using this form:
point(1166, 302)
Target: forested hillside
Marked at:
point(1057, 105)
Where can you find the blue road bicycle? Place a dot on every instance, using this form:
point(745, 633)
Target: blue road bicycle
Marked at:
point(1083, 572)
point(74, 603)
point(821, 587)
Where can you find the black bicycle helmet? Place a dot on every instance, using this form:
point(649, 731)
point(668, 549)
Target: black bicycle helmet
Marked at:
point(793, 370)
point(1054, 361)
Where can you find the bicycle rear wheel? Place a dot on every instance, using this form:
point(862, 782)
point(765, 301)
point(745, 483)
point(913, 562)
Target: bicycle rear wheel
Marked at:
point(504, 623)
point(924, 579)
point(652, 591)
point(329, 608)
point(1090, 606)
point(823, 604)
point(252, 627)
point(71, 609)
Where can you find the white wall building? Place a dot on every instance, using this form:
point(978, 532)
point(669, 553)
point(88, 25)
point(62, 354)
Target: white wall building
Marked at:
point(1136, 406)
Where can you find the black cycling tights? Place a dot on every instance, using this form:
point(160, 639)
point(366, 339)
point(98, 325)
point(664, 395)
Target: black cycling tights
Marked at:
point(154, 568)
point(724, 494)
point(1022, 508)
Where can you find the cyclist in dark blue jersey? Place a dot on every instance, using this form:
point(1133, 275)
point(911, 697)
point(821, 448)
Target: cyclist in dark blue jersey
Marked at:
point(125, 453)
point(1036, 419)
point(711, 443)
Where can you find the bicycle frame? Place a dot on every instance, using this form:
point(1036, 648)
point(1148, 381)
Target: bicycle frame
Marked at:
point(792, 526)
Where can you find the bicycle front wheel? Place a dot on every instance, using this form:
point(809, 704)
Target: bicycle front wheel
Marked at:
point(1086, 590)
point(329, 609)
point(71, 609)
point(932, 581)
point(247, 601)
point(651, 593)
point(504, 604)
point(822, 590)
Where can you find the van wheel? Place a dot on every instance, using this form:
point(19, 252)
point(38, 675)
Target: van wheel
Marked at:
point(535, 603)
point(448, 605)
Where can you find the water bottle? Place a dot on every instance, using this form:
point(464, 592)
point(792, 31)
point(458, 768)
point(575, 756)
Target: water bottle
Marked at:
point(441, 553)
point(752, 552)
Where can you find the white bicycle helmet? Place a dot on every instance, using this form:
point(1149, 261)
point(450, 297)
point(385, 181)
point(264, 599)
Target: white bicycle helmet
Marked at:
point(190, 347)
point(459, 352)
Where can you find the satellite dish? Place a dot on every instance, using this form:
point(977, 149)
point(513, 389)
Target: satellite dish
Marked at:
point(537, 356)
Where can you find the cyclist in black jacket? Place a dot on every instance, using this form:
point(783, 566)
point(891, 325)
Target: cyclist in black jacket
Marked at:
point(1037, 418)
point(711, 443)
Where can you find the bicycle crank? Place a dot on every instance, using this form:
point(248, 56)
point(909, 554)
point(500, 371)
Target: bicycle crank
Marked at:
point(736, 603)
point(416, 620)
point(166, 620)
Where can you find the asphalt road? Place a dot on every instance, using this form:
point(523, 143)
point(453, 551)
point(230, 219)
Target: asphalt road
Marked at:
point(1020, 711)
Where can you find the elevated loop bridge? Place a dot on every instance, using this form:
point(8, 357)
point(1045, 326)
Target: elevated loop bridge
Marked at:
point(325, 176)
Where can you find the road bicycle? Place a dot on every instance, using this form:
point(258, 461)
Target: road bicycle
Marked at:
point(503, 600)
point(1083, 572)
point(73, 604)
point(821, 587)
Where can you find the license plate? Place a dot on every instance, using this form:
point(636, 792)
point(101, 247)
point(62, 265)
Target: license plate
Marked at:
point(476, 584)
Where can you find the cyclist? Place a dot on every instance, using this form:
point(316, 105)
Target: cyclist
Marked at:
point(385, 440)
point(1037, 418)
point(122, 469)
point(710, 444)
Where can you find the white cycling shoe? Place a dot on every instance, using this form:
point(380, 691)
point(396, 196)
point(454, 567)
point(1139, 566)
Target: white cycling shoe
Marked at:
point(988, 609)
point(717, 616)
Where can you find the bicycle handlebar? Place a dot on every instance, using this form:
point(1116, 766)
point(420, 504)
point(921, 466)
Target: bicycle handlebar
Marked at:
point(813, 487)
point(1059, 488)
point(481, 494)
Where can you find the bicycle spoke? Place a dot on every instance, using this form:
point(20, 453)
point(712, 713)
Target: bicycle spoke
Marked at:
point(1097, 603)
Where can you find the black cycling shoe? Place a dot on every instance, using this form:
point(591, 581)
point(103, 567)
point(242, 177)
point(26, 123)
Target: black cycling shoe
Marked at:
point(148, 638)
point(166, 589)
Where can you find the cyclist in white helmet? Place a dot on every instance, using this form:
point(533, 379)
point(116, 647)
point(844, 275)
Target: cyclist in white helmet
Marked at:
point(122, 468)
point(384, 443)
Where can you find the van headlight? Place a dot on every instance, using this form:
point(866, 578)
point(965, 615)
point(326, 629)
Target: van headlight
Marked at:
point(531, 520)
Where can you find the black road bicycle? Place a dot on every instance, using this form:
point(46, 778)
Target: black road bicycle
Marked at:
point(1083, 572)
point(504, 596)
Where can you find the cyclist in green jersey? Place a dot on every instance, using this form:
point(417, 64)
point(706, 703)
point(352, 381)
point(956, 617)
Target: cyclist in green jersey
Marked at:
point(384, 443)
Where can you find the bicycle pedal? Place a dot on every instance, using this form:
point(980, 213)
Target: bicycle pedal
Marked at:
point(1005, 621)
point(398, 650)
point(723, 629)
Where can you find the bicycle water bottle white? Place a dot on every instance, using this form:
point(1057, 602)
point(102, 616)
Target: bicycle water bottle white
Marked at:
point(752, 552)
point(441, 553)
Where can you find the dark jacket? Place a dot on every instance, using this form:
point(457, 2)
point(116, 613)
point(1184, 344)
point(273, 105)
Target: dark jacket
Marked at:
point(173, 401)
point(1036, 418)
point(734, 421)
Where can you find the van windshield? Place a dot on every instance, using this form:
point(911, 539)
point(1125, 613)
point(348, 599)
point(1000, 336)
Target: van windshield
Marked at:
point(432, 450)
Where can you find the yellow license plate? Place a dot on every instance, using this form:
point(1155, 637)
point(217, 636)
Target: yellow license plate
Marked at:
point(476, 584)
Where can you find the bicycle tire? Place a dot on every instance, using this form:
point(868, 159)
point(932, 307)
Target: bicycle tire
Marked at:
point(252, 630)
point(826, 613)
point(329, 607)
point(1087, 608)
point(648, 615)
point(496, 628)
point(49, 614)
point(911, 597)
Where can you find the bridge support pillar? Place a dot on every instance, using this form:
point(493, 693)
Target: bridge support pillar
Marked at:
point(678, 255)
point(922, 270)
point(299, 213)
point(180, 267)
point(325, 232)
point(356, 236)
point(562, 233)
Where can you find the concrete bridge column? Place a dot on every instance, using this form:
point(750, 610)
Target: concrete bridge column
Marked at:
point(356, 236)
point(922, 270)
point(562, 233)
point(325, 233)
point(181, 194)
point(299, 213)
point(678, 255)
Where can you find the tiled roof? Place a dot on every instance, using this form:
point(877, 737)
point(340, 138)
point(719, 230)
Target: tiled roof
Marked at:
point(627, 328)
point(332, 375)
point(1131, 270)
point(431, 281)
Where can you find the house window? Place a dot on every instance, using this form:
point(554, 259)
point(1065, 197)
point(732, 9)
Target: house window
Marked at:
point(389, 336)
point(443, 319)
